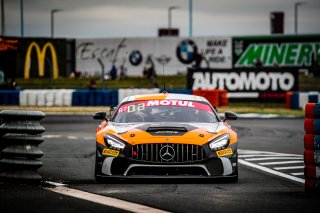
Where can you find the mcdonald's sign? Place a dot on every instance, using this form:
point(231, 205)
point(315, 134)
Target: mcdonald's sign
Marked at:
point(41, 53)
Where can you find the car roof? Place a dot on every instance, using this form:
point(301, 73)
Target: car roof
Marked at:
point(164, 96)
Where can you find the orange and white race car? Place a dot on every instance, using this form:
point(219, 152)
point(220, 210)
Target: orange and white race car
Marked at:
point(165, 135)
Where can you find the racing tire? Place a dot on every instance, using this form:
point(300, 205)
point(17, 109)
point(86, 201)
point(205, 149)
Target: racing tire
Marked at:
point(98, 178)
point(235, 178)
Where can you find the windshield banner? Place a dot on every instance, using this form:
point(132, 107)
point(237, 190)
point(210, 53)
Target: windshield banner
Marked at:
point(141, 105)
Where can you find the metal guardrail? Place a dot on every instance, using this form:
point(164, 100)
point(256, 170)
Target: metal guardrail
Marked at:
point(20, 136)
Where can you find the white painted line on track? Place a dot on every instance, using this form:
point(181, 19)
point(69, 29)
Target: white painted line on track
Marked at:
point(289, 167)
point(271, 171)
point(273, 158)
point(51, 136)
point(280, 162)
point(108, 201)
point(297, 173)
point(71, 137)
point(55, 183)
point(269, 155)
point(253, 152)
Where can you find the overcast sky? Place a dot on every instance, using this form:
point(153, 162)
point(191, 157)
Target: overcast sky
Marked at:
point(142, 18)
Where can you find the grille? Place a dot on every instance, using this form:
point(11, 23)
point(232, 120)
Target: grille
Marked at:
point(183, 153)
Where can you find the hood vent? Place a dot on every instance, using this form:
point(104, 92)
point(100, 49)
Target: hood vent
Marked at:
point(166, 130)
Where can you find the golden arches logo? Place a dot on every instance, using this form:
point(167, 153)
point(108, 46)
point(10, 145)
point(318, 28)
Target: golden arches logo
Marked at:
point(41, 53)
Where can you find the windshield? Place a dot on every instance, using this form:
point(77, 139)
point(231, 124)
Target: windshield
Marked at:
point(164, 111)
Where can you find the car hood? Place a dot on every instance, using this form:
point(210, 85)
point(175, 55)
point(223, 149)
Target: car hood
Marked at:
point(188, 133)
point(121, 128)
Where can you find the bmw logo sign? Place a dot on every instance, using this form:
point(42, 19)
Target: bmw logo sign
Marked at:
point(186, 51)
point(135, 57)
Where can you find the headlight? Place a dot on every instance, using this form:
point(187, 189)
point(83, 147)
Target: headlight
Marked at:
point(113, 142)
point(220, 142)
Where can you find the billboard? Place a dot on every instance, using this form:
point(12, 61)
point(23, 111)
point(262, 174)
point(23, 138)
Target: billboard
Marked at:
point(265, 83)
point(174, 54)
point(33, 57)
point(276, 51)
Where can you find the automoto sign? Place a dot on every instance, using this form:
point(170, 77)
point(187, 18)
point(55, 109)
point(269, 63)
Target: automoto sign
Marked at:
point(265, 82)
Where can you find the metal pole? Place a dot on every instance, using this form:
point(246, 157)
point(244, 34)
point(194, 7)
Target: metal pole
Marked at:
point(52, 12)
point(190, 18)
point(2, 18)
point(21, 17)
point(296, 15)
point(169, 18)
point(52, 20)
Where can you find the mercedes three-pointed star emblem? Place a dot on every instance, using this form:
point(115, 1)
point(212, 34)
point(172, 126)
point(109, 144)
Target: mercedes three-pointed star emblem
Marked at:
point(167, 153)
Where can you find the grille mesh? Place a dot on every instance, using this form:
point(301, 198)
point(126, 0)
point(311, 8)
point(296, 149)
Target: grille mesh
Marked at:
point(183, 153)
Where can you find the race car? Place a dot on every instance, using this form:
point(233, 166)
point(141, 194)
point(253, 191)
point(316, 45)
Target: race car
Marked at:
point(167, 136)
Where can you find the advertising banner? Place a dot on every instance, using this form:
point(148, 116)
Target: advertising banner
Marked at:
point(33, 57)
point(95, 57)
point(40, 57)
point(246, 83)
point(277, 51)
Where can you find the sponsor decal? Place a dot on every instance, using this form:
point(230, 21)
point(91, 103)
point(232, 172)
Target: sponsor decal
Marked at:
point(141, 105)
point(224, 152)
point(285, 54)
point(41, 56)
point(110, 152)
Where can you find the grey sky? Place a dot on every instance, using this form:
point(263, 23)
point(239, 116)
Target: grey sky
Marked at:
point(142, 18)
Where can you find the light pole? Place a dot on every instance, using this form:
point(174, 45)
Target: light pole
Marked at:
point(169, 15)
point(52, 20)
point(296, 15)
point(2, 18)
point(190, 18)
point(21, 17)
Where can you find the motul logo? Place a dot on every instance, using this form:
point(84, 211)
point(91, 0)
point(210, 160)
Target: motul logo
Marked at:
point(170, 103)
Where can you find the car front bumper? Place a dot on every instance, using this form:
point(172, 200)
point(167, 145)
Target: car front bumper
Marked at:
point(123, 166)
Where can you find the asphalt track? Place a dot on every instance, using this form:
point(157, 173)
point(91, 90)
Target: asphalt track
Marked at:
point(269, 148)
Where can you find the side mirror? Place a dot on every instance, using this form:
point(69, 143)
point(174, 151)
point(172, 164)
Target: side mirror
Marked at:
point(230, 116)
point(112, 109)
point(100, 116)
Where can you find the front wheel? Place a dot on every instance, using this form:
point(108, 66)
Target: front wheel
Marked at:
point(236, 176)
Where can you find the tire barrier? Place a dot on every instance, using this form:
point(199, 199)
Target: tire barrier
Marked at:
point(70, 97)
point(312, 147)
point(298, 100)
point(216, 97)
point(312, 110)
point(95, 98)
point(50, 97)
point(9, 97)
point(20, 136)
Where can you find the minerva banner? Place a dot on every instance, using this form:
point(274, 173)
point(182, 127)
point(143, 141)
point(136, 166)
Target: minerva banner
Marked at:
point(277, 51)
point(173, 54)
